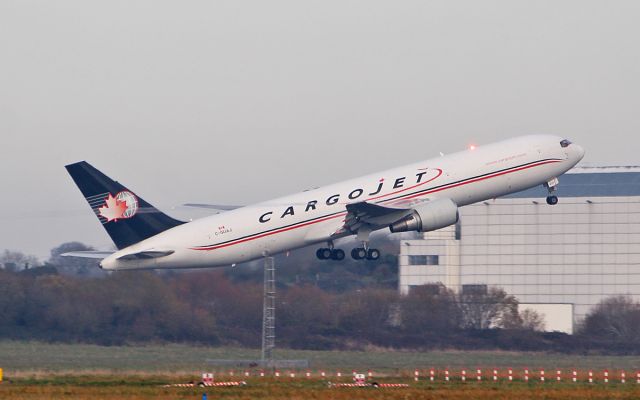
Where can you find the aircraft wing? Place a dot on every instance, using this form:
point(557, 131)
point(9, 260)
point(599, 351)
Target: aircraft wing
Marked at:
point(363, 214)
point(88, 254)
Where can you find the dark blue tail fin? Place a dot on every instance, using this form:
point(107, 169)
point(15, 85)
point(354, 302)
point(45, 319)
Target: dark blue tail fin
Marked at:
point(127, 218)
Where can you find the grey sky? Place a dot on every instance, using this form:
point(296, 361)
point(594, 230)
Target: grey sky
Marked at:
point(236, 101)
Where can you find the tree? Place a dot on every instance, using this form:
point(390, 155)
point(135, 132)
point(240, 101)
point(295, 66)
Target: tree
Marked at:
point(492, 309)
point(74, 265)
point(616, 318)
point(11, 299)
point(237, 308)
point(304, 315)
point(426, 309)
point(532, 320)
point(15, 260)
point(364, 311)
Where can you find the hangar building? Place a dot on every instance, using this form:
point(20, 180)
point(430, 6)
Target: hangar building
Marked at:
point(558, 260)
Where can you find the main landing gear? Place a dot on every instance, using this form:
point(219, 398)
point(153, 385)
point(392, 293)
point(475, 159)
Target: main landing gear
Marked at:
point(552, 186)
point(364, 252)
point(359, 253)
point(330, 254)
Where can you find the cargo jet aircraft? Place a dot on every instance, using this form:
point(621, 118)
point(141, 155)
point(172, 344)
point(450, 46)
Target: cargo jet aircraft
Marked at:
point(421, 197)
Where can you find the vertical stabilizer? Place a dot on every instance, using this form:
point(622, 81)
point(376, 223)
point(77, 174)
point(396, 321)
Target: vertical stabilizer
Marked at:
point(125, 216)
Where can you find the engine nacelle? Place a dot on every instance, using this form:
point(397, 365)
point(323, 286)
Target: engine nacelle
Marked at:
point(432, 215)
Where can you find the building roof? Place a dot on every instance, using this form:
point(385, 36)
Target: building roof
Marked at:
point(592, 181)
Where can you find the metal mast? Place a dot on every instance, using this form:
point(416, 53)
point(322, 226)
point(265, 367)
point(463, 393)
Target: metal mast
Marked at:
point(269, 312)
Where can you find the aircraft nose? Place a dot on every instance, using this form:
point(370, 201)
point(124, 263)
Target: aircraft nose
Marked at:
point(579, 150)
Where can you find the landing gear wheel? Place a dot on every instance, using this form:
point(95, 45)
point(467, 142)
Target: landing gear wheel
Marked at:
point(373, 254)
point(324, 253)
point(358, 253)
point(552, 200)
point(337, 254)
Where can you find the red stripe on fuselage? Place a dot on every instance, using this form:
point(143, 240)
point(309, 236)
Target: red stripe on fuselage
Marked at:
point(409, 188)
point(271, 233)
point(482, 178)
point(449, 186)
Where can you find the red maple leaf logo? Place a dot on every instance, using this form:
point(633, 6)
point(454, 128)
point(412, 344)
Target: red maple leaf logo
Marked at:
point(113, 209)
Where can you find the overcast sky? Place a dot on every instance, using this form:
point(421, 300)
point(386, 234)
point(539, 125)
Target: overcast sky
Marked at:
point(236, 101)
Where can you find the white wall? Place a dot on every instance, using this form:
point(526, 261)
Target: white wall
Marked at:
point(557, 317)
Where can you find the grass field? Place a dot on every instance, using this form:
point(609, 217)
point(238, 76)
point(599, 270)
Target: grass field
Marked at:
point(127, 388)
point(25, 357)
point(51, 371)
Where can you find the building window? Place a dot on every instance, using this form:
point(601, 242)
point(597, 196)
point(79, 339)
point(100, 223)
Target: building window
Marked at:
point(424, 260)
point(429, 288)
point(417, 260)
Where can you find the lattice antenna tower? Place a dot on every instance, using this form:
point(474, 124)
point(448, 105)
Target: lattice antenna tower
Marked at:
point(269, 312)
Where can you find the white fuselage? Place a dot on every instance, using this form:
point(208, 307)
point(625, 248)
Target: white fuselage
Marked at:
point(316, 215)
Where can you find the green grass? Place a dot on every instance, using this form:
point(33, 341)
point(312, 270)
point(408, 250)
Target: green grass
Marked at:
point(40, 370)
point(124, 387)
point(174, 358)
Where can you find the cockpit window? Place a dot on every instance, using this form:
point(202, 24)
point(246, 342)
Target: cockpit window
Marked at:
point(565, 143)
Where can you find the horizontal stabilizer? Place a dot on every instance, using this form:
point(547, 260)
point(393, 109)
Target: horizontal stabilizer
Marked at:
point(219, 207)
point(88, 254)
point(146, 254)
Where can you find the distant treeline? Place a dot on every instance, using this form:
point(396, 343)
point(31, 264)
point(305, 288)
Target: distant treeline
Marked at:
point(207, 307)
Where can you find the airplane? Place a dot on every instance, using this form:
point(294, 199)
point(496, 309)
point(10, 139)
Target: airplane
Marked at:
point(422, 197)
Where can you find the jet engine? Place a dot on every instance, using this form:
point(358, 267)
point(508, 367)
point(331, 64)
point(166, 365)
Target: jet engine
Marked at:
point(429, 216)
